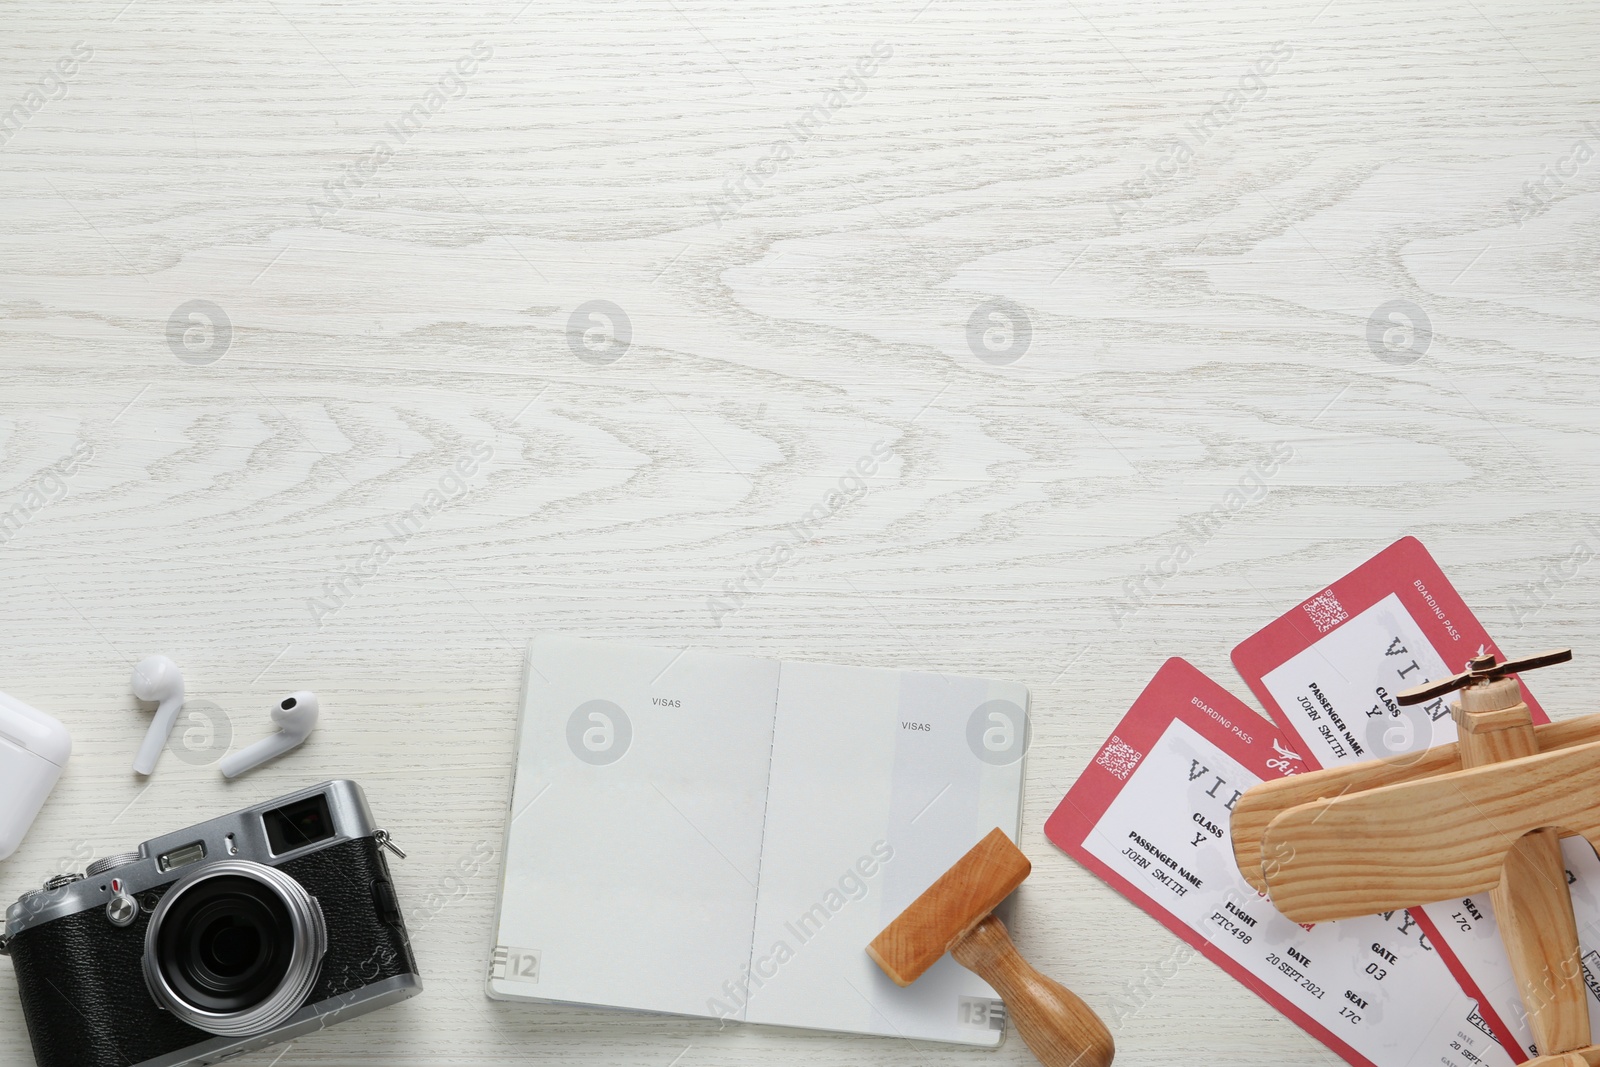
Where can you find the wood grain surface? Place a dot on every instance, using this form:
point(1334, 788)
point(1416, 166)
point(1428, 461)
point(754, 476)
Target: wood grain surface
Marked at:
point(1081, 271)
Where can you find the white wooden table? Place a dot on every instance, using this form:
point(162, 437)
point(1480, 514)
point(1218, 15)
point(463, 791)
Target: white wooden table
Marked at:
point(1079, 265)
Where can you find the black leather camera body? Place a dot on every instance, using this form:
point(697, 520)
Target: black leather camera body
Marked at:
point(231, 935)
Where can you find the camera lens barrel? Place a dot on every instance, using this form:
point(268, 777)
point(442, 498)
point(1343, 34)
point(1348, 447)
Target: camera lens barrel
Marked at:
point(234, 948)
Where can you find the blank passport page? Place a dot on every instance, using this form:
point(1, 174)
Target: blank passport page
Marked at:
point(718, 835)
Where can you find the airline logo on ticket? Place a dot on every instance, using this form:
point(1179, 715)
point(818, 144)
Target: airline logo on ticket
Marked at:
point(1150, 816)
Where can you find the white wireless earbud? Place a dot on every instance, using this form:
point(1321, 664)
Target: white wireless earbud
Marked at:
point(296, 716)
point(157, 678)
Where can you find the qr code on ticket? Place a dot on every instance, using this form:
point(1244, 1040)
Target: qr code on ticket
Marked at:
point(1325, 610)
point(1119, 757)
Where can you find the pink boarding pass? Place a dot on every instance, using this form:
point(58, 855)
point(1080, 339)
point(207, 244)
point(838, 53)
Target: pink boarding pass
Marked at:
point(1150, 816)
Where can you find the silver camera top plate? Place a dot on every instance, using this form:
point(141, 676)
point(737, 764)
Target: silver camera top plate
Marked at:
point(163, 860)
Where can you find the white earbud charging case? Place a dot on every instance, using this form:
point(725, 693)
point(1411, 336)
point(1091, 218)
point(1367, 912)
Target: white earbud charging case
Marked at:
point(33, 750)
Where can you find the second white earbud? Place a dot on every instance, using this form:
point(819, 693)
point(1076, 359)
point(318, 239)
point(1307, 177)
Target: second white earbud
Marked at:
point(157, 678)
point(296, 716)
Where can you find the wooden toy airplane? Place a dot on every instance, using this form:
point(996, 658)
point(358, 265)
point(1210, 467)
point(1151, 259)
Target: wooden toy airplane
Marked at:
point(1485, 813)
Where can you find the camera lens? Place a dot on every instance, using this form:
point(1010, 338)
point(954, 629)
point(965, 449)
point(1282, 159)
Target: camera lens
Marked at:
point(225, 945)
point(234, 948)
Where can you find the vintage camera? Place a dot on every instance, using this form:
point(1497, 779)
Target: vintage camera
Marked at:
point(234, 934)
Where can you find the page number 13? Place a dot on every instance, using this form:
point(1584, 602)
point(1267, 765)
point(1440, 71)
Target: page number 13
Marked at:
point(982, 1013)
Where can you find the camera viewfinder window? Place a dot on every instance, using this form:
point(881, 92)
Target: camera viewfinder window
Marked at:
point(299, 824)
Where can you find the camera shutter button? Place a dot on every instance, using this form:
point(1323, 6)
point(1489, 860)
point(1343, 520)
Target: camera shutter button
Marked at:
point(122, 909)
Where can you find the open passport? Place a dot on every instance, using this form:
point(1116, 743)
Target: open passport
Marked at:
point(721, 836)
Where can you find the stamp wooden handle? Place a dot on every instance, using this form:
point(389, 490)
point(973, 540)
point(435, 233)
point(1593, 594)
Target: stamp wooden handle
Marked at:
point(1059, 1028)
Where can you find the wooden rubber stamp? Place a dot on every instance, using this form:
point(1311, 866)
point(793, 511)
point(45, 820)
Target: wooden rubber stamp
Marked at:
point(954, 915)
point(1485, 813)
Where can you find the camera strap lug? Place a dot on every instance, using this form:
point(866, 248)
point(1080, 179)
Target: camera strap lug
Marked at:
point(384, 841)
point(5, 945)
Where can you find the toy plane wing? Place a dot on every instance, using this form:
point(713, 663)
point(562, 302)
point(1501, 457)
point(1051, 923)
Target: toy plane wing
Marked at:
point(1258, 807)
point(1386, 835)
